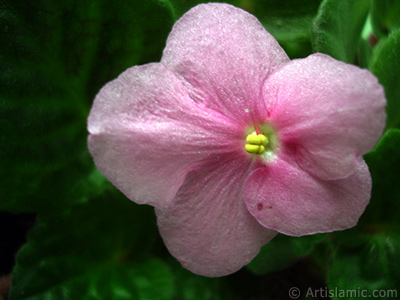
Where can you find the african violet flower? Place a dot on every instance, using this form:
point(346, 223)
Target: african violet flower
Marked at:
point(232, 142)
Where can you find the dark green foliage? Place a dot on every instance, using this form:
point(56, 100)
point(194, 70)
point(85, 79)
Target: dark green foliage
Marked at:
point(282, 252)
point(337, 28)
point(385, 16)
point(93, 252)
point(54, 58)
point(385, 64)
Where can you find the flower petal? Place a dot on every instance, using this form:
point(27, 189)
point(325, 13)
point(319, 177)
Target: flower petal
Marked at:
point(331, 112)
point(223, 54)
point(208, 229)
point(147, 134)
point(285, 198)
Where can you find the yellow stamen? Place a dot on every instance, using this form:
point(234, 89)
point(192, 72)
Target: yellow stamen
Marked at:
point(252, 148)
point(258, 139)
point(256, 143)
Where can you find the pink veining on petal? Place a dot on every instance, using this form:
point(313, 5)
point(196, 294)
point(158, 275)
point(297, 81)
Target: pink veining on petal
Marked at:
point(330, 111)
point(147, 134)
point(285, 198)
point(223, 54)
point(208, 229)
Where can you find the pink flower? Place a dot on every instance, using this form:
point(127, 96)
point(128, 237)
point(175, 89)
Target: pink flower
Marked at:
point(232, 142)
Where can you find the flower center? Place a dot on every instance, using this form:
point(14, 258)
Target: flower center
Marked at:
point(256, 143)
point(261, 141)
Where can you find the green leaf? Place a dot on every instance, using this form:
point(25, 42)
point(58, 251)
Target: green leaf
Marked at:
point(182, 6)
point(385, 64)
point(288, 21)
point(384, 165)
point(98, 250)
point(190, 286)
point(371, 269)
point(282, 252)
point(352, 237)
point(385, 16)
point(364, 54)
point(337, 28)
point(54, 58)
point(367, 255)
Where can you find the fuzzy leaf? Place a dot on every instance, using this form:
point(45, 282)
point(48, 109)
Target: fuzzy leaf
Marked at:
point(385, 64)
point(190, 286)
point(384, 165)
point(282, 252)
point(182, 6)
point(367, 254)
point(98, 250)
point(288, 21)
point(385, 16)
point(337, 28)
point(370, 269)
point(55, 56)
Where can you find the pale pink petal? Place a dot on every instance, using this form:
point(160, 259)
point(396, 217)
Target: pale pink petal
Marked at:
point(223, 54)
point(285, 198)
point(329, 111)
point(147, 134)
point(208, 229)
